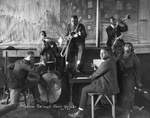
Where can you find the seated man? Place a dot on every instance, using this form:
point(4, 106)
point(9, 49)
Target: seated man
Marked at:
point(104, 81)
point(48, 49)
point(18, 72)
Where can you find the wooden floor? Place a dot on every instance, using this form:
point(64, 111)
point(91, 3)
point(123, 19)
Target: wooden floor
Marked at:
point(62, 112)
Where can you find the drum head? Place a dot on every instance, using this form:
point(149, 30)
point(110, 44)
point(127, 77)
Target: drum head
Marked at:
point(51, 92)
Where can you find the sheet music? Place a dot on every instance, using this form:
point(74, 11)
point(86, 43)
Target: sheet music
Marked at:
point(97, 62)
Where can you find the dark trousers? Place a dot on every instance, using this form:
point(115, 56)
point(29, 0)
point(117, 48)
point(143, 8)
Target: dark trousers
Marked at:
point(15, 97)
point(84, 95)
point(76, 43)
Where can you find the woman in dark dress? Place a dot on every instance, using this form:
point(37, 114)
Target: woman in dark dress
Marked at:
point(129, 76)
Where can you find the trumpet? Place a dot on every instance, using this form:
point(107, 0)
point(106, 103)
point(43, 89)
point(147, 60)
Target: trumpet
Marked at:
point(124, 19)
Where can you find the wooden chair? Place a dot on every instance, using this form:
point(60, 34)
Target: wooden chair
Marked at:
point(110, 100)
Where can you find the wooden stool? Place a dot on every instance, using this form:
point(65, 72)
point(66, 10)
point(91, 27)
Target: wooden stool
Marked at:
point(112, 102)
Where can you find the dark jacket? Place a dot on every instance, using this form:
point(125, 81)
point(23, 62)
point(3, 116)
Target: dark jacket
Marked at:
point(106, 76)
point(80, 27)
point(18, 72)
point(113, 32)
point(48, 50)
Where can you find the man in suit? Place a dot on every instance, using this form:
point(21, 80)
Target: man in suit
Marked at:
point(76, 33)
point(104, 81)
point(115, 41)
point(18, 73)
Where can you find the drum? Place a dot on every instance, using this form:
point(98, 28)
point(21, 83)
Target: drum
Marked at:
point(53, 88)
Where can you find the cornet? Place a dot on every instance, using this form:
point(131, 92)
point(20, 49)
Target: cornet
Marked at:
point(125, 19)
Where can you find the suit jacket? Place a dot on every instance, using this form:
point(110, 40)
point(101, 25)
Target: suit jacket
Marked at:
point(18, 72)
point(113, 32)
point(106, 77)
point(48, 50)
point(80, 28)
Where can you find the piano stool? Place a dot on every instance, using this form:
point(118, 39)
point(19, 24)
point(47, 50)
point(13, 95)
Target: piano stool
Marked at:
point(110, 100)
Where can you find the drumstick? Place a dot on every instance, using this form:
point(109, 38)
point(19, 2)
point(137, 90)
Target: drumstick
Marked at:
point(46, 62)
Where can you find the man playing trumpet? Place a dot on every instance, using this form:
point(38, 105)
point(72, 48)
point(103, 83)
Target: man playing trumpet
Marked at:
point(76, 34)
point(115, 40)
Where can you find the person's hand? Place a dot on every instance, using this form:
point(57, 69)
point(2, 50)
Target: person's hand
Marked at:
point(89, 77)
point(75, 35)
point(79, 33)
point(94, 66)
point(52, 45)
point(43, 63)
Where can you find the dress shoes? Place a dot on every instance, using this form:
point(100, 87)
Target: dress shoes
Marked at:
point(67, 68)
point(77, 114)
point(78, 68)
point(126, 115)
point(40, 102)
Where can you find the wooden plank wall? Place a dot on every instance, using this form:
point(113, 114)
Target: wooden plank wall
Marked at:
point(144, 21)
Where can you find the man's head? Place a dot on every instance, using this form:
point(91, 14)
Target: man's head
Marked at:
point(74, 20)
point(112, 20)
point(105, 53)
point(29, 56)
point(42, 34)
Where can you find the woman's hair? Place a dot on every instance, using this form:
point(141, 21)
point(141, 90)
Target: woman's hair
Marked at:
point(132, 48)
point(43, 33)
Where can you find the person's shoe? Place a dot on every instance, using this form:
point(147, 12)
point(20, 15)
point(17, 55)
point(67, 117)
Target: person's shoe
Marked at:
point(40, 102)
point(126, 115)
point(78, 68)
point(67, 68)
point(76, 114)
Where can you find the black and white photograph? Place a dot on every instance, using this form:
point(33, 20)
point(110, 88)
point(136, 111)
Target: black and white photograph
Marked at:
point(74, 58)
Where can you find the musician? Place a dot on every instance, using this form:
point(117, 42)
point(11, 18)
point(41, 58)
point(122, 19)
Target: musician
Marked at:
point(114, 32)
point(47, 48)
point(104, 81)
point(18, 72)
point(77, 34)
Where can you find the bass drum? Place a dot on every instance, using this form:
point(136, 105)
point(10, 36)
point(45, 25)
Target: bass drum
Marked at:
point(54, 89)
